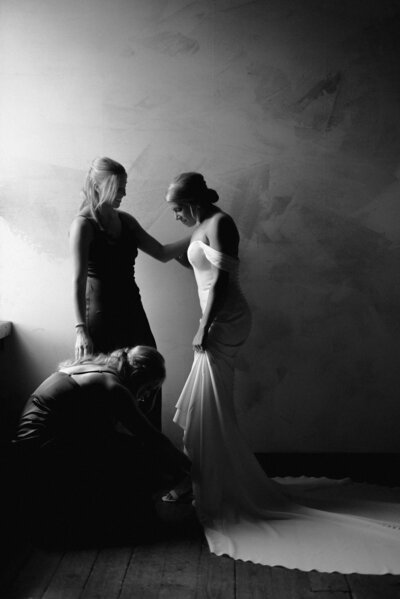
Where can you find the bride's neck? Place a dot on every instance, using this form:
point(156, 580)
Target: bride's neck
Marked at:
point(205, 212)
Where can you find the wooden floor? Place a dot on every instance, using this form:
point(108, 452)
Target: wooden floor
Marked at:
point(178, 566)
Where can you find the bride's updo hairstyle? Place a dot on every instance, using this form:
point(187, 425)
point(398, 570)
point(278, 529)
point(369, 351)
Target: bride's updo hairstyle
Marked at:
point(191, 189)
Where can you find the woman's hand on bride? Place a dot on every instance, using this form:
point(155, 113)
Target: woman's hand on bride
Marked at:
point(200, 340)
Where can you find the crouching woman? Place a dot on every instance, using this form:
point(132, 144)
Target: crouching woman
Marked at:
point(90, 459)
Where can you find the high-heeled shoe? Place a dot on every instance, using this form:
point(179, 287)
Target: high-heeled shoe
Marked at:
point(173, 497)
point(182, 493)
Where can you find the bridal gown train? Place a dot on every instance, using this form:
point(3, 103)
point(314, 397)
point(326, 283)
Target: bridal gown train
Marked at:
point(304, 523)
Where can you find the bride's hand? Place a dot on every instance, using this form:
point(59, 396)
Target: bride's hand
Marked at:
point(199, 341)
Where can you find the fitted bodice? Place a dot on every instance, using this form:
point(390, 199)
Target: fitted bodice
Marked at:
point(112, 262)
point(204, 260)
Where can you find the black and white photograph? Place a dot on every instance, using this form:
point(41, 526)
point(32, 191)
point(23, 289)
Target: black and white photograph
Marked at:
point(200, 299)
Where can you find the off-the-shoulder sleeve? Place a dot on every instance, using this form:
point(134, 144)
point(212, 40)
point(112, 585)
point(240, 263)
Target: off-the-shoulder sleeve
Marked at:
point(220, 260)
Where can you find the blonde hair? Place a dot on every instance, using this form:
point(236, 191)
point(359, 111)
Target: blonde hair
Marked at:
point(143, 362)
point(101, 184)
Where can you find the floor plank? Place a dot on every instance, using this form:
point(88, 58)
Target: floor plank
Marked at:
point(327, 582)
point(108, 573)
point(13, 559)
point(252, 581)
point(35, 576)
point(144, 573)
point(216, 579)
point(181, 568)
point(71, 575)
point(168, 567)
point(271, 583)
point(178, 567)
point(374, 587)
point(288, 584)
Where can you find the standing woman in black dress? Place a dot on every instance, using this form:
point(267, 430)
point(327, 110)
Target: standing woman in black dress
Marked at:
point(104, 243)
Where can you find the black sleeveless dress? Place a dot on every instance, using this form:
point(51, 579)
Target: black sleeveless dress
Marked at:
point(114, 310)
point(60, 414)
point(115, 316)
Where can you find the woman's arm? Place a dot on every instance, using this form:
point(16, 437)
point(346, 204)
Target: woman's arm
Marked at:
point(80, 237)
point(154, 248)
point(222, 236)
point(183, 260)
point(133, 419)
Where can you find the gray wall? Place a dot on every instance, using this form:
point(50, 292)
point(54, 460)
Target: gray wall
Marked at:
point(291, 111)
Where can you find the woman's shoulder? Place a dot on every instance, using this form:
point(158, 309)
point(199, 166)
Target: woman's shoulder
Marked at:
point(83, 217)
point(86, 366)
point(222, 222)
point(84, 212)
point(129, 220)
point(223, 234)
point(82, 223)
point(93, 374)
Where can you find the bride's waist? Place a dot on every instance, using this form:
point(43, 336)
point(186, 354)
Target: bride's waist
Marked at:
point(234, 301)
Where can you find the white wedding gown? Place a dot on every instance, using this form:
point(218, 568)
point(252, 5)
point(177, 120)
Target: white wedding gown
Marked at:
point(305, 523)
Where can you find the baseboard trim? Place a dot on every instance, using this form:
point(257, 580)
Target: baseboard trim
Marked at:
point(380, 468)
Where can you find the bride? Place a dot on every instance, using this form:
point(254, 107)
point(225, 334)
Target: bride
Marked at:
point(297, 523)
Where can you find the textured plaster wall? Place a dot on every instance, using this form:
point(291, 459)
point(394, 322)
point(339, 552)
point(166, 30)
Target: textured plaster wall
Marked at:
point(290, 108)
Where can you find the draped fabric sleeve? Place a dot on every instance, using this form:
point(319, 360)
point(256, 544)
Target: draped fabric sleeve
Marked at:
point(218, 259)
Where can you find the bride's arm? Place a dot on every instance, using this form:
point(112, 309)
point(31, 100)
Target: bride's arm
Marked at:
point(224, 237)
point(215, 301)
point(155, 249)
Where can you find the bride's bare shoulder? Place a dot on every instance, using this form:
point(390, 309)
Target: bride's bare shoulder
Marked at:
point(223, 234)
point(222, 223)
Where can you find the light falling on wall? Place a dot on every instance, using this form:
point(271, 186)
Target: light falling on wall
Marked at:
point(290, 110)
